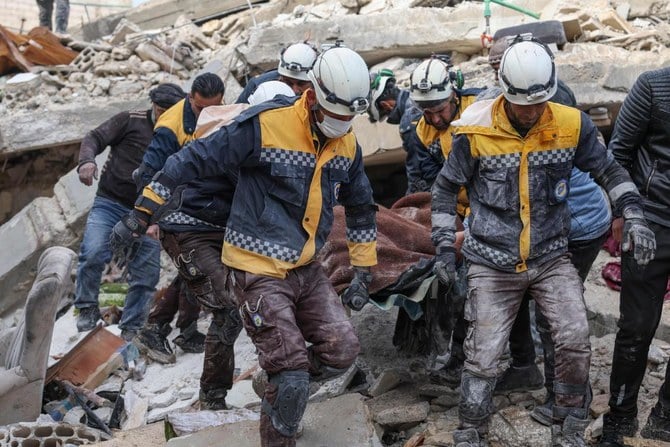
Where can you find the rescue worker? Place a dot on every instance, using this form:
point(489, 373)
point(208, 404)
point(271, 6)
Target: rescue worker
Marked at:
point(193, 237)
point(174, 130)
point(390, 103)
point(294, 63)
point(514, 154)
point(127, 134)
point(640, 143)
point(590, 218)
point(432, 89)
point(293, 164)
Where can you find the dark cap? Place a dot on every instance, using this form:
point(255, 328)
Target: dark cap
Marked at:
point(166, 95)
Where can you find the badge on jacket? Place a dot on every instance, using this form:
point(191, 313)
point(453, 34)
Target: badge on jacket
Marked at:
point(561, 190)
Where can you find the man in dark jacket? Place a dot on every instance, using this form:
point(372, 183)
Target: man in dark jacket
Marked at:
point(293, 164)
point(641, 144)
point(128, 134)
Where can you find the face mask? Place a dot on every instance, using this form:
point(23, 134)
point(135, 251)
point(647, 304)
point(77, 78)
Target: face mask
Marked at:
point(332, 127)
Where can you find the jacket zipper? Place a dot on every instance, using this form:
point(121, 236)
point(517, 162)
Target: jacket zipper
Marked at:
point(651, 174)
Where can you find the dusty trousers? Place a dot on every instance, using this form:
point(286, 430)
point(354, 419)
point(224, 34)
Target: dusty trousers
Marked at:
point(492, 304)
point(198, 259)
point(281, 316)
point(177, 299)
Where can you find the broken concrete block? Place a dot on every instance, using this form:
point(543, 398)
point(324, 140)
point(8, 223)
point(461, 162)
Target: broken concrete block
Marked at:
point(147, 51)
point(179, 406)
point(186, 423)
point(123, 28)
point(388, 380)
point(514, 426)
point(22, 82)
point(611, 18)
point(403, 416)
point(134, 410)
point(52, 434)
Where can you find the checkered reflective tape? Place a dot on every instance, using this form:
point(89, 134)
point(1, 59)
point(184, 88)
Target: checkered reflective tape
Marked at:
point(551, 157)
point(285, 156)
point(557, 244)
point(486, 252)
point(361, 236)
point(264, 248)
point(500, 161)
point(340, 163)
point(160, 190)
point(435, 148)
point(179, 218)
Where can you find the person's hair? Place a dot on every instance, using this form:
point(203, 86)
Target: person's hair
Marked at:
point(391, 91)
point(166, 95)
point(207, 85)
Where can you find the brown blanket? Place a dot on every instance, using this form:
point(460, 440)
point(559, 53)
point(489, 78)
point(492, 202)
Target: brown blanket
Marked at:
point(403, 239)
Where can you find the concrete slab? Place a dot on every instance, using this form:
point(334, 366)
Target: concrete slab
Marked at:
point(338, 422)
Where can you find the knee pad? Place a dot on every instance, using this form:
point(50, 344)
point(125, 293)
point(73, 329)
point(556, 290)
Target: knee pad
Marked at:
point(476, 398)
point(289, 406)
point(226, 325)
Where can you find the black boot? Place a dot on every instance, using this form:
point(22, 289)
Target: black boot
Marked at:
point(190, 340)
point(571, 432)
point(213, 399)
point(543, 413)
point(658, 424)
point(88, 318)
point(152, 341)
point(520, 378)
point(615, 428)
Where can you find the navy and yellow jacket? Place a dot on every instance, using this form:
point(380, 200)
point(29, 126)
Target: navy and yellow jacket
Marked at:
point(517, 185)
point(287, 186)
point(174, 128)
point(437, 145)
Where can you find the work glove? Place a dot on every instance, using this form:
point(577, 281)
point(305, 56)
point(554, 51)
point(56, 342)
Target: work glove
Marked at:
point(357, 295)
point(445, 266)
point(126, 237)
point(637, 236)
point(87, 172)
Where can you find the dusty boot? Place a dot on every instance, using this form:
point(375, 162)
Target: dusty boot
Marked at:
point(88, 318)
point(615, 428)
point(190, 340)
point(543, 413)
point(570, 422)
point(520, 378)
point(213, 399)
point(658, 424)
point(468, 437)
point(152, 342)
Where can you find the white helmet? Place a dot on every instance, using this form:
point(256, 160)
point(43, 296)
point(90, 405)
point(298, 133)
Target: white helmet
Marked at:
point(378, 81)
point(268, 90)
point(527, 72)
point(341, 81)
point(296, 60)
point(430, 81)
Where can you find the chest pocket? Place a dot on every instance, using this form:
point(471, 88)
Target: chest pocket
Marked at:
point(290, 183)
point(494, 190)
